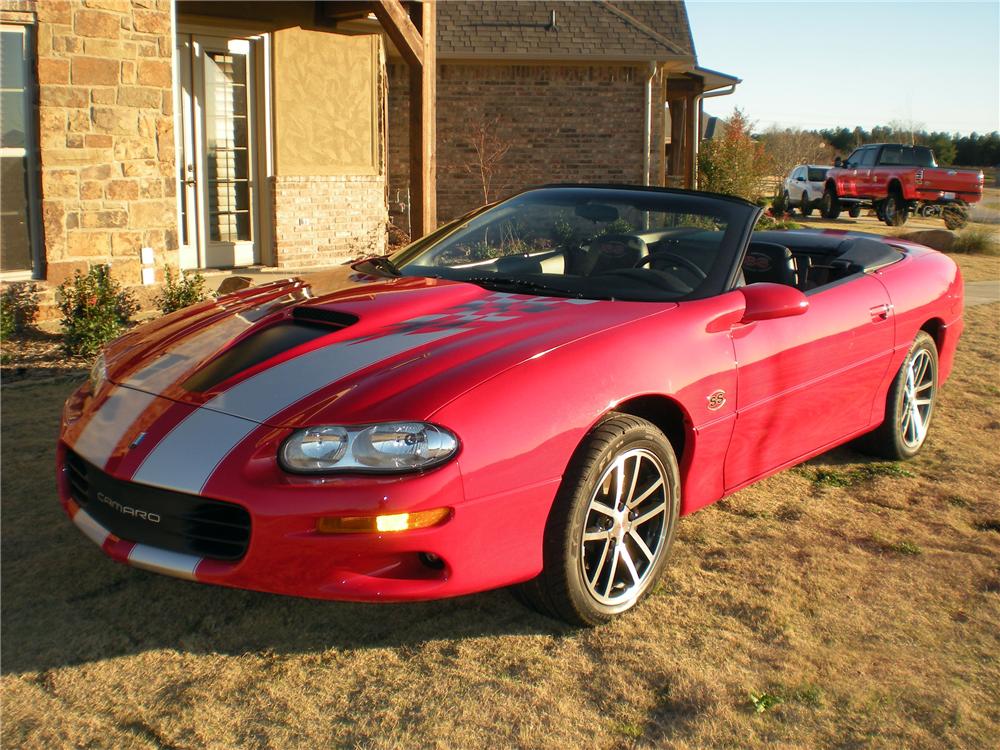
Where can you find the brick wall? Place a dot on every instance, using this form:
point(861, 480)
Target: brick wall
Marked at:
point(562, 123)
point(329, 219)
point(106, 134)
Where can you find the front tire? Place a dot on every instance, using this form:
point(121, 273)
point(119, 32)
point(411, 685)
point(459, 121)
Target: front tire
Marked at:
point(611, 526)
point(806, 205)
point(909, 406)
point(829, 205)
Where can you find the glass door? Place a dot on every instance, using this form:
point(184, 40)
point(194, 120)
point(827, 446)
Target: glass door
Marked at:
point(218, 160)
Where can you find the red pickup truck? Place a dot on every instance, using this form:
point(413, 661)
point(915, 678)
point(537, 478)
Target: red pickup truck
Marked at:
point(894, 179)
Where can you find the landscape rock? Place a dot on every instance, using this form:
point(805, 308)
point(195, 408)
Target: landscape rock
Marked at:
point(939, 239)
point(232, 284)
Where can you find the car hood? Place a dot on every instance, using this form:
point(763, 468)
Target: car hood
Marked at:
point(344, 346)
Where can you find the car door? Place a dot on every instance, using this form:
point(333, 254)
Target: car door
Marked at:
point(866, 186)
point(809, 381)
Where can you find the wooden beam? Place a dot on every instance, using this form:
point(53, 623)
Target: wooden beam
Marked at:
point(397, 24)
point(423, 130)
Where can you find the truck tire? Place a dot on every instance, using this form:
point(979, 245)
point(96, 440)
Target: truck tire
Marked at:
point(955, 216)
point(806, 205)
point(854, 211)
point(829, 205)
point(894, 209)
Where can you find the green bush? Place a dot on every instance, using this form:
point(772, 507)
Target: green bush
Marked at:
point(180, 291)
point(95, 309)
point(977, 239)
point(769, 222)
point(18, 308)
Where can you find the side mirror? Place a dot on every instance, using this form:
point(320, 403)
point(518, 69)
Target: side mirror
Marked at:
point(766, 301)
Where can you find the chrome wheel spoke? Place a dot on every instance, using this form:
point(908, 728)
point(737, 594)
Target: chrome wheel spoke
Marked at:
point(611, 575)
point(641, 544)
point(595, 536)
point(645, 493)
point(627, 559)
point(600, 564)
point(602, 508)
point(649, 515)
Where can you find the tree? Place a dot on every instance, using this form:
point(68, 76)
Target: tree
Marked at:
point(788, 148)
point(489, 149)
point(734, 164)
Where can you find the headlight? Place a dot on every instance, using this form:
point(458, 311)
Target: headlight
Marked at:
point(98, 373)
point(390, 447)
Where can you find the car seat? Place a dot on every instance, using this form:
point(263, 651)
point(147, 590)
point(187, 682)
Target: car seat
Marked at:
point(613, 252)
point(769, 261)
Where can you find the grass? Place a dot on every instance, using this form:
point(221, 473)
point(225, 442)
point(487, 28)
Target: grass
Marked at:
point(860, 613)
point(978, 239)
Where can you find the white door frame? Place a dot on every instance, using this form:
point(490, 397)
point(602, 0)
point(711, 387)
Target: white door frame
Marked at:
point(192, 43)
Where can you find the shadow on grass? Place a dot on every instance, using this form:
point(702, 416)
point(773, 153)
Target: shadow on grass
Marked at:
point(63, 603)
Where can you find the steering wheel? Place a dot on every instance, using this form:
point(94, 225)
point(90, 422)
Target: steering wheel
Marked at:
point(679, 259)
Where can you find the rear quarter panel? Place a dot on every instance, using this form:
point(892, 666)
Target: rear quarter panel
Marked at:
point(926, 291)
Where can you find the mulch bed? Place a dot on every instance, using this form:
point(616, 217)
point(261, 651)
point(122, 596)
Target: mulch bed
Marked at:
point(35, 356)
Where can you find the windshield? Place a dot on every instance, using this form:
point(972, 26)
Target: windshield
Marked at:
point(591, 243)
point(817, 174)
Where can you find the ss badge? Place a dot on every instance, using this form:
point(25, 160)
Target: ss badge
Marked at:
point(716, 400)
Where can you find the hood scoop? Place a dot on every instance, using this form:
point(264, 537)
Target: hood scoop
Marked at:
point(306, 324)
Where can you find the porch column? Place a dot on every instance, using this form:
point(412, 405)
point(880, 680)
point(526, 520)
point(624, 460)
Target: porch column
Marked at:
point(691, 141)
point(414, 34)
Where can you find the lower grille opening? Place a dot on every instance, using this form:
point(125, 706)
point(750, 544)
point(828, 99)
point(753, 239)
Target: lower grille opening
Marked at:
point(169, 520)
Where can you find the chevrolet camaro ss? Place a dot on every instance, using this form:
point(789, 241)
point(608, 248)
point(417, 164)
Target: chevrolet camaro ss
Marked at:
point(532, 395)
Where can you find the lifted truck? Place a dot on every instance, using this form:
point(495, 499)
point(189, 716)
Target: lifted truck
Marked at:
point(895, 179)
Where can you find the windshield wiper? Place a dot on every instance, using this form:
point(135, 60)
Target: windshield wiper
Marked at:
point(518, 283)
point(382, 263)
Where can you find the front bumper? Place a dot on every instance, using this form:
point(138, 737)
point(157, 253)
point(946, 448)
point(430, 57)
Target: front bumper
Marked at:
point(488, 542)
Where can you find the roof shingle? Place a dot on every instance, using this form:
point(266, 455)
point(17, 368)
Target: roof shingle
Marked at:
point(592, 29)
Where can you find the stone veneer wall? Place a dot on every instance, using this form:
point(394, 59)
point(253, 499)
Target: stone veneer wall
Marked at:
point(319, 220)
point(563, 123)
point(106, 132)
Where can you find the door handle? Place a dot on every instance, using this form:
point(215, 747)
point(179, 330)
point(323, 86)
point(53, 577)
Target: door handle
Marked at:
point(189, 181)
point(880, 312)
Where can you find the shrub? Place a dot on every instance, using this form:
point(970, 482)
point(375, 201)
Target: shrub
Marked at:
point(734, 164)
point(18, 308)
point(977, 240)
point(769, 222)
point(180, 291)
point(95, 309)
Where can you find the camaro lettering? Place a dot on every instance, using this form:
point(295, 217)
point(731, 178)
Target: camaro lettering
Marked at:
point(128, 510)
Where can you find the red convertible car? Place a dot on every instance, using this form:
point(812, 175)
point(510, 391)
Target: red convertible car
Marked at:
point(532, 395)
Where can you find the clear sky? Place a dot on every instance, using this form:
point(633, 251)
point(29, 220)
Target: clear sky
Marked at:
point(823, 64)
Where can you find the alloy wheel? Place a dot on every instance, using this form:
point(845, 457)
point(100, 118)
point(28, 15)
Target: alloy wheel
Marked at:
point(625, 527)
point(918, 399)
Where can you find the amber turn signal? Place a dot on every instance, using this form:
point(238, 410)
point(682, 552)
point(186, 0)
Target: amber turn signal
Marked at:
point(421, 519)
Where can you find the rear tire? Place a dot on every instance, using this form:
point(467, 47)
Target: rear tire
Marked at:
point(786, 203)
point(611, 526)
point(806, 205)
point(894, 209)
point(829, 204)
point(907, 420)
point(955, 216)
point(854, 211)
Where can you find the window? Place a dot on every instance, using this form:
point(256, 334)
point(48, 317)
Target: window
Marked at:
point(817, 174)
point(19, 227)
point(910, 156)
point(855, 158)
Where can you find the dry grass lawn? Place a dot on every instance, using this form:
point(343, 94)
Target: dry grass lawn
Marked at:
point(841, 604)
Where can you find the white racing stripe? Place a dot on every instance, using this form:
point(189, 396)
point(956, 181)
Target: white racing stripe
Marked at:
point(163, 561)
point(91, 528)
point(109, 424)
point(186, 458)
